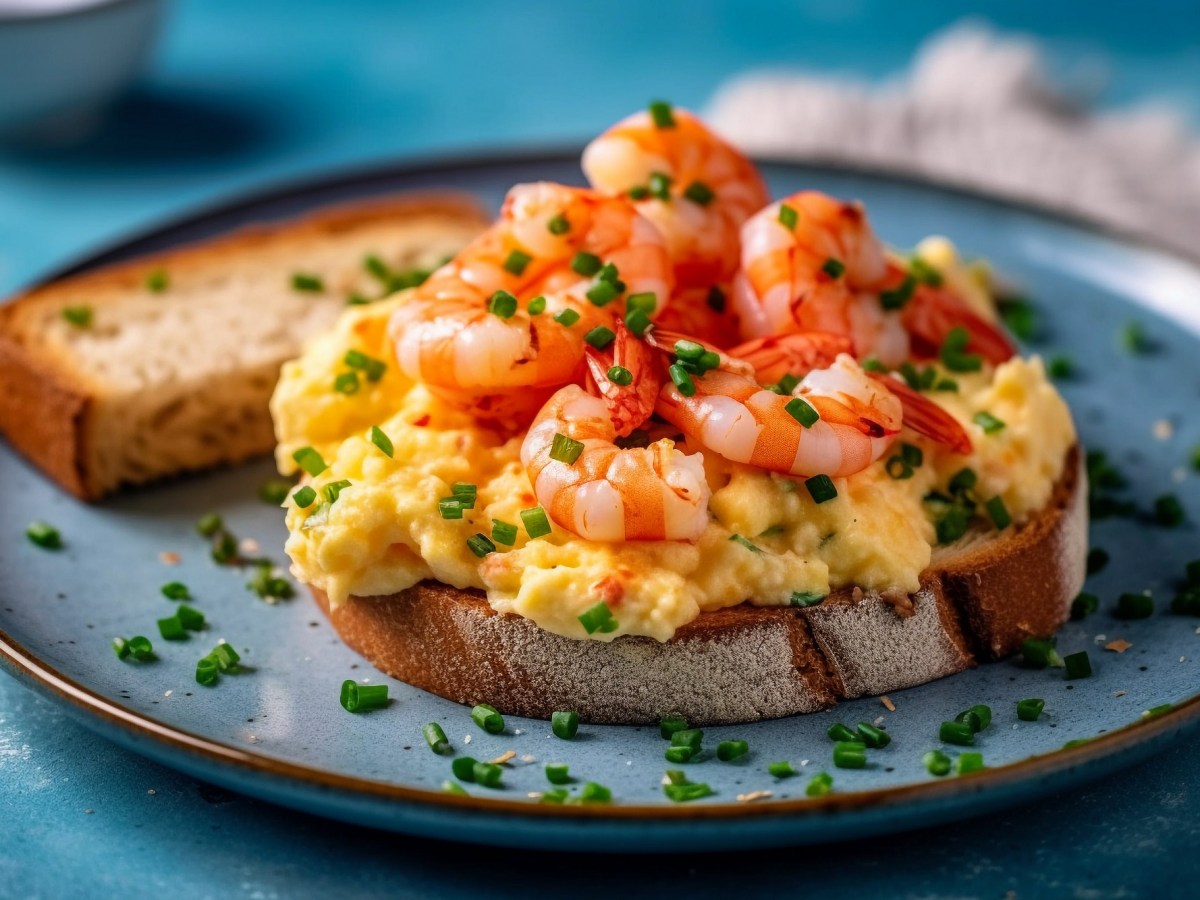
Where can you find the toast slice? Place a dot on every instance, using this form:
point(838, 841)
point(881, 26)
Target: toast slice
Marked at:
point(166, 364)
point(979, 599)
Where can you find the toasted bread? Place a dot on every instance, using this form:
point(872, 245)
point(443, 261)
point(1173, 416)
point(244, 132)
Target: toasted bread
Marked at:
point(979, 599)
point(157, 383)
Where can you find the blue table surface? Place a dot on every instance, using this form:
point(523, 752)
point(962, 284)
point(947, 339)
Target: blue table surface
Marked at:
point(244, 94)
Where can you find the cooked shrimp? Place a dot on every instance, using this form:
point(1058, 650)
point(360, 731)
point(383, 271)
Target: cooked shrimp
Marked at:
point(697, 188)
point(704, 314)
point(631, 399)
point(447, 337)
point(857, 420)
point(812, 263)
point(654, 493)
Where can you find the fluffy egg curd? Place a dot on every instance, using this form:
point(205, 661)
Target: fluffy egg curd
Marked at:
point(374, 526)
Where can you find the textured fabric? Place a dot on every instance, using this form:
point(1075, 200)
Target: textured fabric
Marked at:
point(976, 110)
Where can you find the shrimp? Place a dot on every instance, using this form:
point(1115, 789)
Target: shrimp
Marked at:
point(858, 418)
point(703, 314)
point(692, 184)
point(629, 405)
point(447, 336)
point(812, 263)
point(654, 493)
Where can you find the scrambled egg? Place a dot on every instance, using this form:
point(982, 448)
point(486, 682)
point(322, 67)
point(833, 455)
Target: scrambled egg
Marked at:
point(767, 542)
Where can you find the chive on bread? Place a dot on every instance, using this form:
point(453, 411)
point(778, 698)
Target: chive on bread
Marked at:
point(166, 364)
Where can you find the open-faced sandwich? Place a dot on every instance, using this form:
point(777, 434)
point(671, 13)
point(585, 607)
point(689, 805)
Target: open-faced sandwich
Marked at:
point(662, 445)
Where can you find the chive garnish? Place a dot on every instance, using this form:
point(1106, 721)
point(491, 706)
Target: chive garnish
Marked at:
point(682, 379)
point(1078, 665)
point(953, 352)
point(821, 488)
point(660, 185)
point(463, 768)
point(781, 769)
point(699, 193)
point(307, 282)
point(334, 489)
point(565, 724)
point(274, 491)
point(745, 542)
point(44, 535)
point(564, 449)
point(189, 617)
point(850, 755)
point(1060, 367)
point(600, 336)
point(966, 763)
point(801, 411)
point(603, 293)
point(465, 492)
point(1030, 710)
point(304, 497)
point(1133, 339)
point(157, 281)
point(662, 114)
point(502, 304)
point(558, 773)
point(209, 524)
point(566, 317)
point(207, 671)
point(839, 732)
point(875, 738)
point(371, 367)
point(692, 738)
point(598, 618)
point(731, 750)
point(487, 774)
point(998, 512)
point(1084, 605)
point(1134, 606)
point(959, 733)
point(1037, 653)
point(936, 763)
point(684, 791)
point(176, 590)
point(1097, 559)
point(678, 754)
point(537, 305)
point(558, 225)
point(120, 647)
point(450, 508)
point(804, 599)
point(620, 375)
point(989, 423)
point(346, 383)
point(834, 268)
point(488, 718)
point(898, 297)
point(536, 522)
point(820, 785)
point(480, 545)
point(788, 217)
point(504, 532)
point(357, 697)
point(436, 738)
point(669, 725)
point(172, 629)
point(381, 441)
point(309, 460)
point(1020, 317)
point(977, 717)
point(516, 261)
point(586, 264)
point(924, 272)
point(79, 316)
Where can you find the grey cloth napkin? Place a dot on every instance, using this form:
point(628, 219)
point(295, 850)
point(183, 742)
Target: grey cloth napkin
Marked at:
point(977, 110)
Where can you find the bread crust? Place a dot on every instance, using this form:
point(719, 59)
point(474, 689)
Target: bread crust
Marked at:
point(976, 602)
point(49, 408)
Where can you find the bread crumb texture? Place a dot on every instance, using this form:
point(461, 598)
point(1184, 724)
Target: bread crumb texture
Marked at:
point(384, 533)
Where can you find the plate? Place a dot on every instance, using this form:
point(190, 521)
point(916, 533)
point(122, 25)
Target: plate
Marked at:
point(278, 731)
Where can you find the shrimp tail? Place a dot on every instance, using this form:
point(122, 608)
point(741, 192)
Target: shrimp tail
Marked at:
point(629, 405)
point(934, 313)
point(925, 417)
point(791, 354)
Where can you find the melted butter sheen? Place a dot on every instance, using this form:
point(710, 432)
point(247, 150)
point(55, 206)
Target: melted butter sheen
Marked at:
point(385, 534)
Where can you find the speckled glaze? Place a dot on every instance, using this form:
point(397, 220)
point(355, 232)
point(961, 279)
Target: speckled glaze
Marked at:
point(278, 732)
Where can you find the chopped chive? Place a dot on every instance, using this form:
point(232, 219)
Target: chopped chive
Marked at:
point(172, 629)
point(502, 304)
point(959, 733)
point(176, 590)
point(691, 738)
point(463, 768)
point(1020, 317)
point(946, 384)
point(565, 724)
point(952, 524)
point(1037, 653)
point(592, 792)
point(668, 725)
point(699, 193)
point(140, 648)
point(598, 618)
point(586, 264)
point(745, 542)
point(1030, 710)
point(307, 282)
point(682, 380)
point(536, 522)
point(963, 480)
point(804, 599)
point(875, 738)
point(1097, 559)
point(267, 585)
point(537, 305)
point(44, 535)
point(208, 525)
point(556, 796)
point(600, 336)
point(872, 364)
point(207, 671)
point(373, 368)
point(678, 754)
point(1168, 511)
point(660, 185)
point(685, 793)
point(897, 468)
point(801, 411)
point(334, 489)
point(978, 717)
point(936, 763)
point(558, 224)
point(639, 192)
point(1060, 367)
point(346, 383)
point(662, 114)
point(357, 697)
point(637, 321)
point(465, 492)
point(358, 300)
point(924, 272)
point(227, 658)
point(566, 317)
point(850, 755)
point(79, 316)
point(479, 544)
point(646, 301)
point(558, 773)
point(620, 375)
point(1084, 605)
point(157, 281)
point(819, 785)
point(788, 383)
point(1078, 665)
point(781, 769)
point(898, 297)
point(912, 454)
point(788, 217)
point(304, 497)
point(120, 647)
point(504, 532)
point(274, 491)
point(688, 350)
point(224, 548)
point(1134, 606)
point(603, 293)
point(488, 718)
point(516, 261)
point(953, 352)
point(821, 488)
point(989, 423)
point(487, 774)
point(190, 617)
point(382, 442)
point(998, 512)
point(453, 787)
point(731, 750)
point(839, 732)
point(1133, 339)
point(834, 268)
point(1155, 711)
point(309, 460)
point(966, 763)
point(564, 449)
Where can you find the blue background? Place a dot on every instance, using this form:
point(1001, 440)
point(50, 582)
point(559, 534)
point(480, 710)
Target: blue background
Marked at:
point(243, 94)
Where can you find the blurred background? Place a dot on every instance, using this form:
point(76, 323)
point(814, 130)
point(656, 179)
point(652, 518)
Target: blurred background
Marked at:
point(116, 114)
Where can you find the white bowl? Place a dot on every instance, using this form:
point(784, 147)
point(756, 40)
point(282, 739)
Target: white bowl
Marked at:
point(63, 61)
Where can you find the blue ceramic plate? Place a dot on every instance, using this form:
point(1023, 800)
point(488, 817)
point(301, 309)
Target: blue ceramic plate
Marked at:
point(278, 731)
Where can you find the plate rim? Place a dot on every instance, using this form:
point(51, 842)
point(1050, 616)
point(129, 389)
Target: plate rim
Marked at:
point(24, 665)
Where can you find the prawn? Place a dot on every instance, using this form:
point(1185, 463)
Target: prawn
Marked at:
point(549, 242)
point(812, 263)
point(854, 419)
point(692, 184)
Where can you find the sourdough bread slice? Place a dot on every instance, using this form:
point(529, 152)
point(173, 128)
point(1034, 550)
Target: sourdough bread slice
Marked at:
point(978, 600)
point(159, 382)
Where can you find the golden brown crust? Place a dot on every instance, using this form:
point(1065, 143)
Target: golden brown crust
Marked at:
point(743, 663)
point(48, 406)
